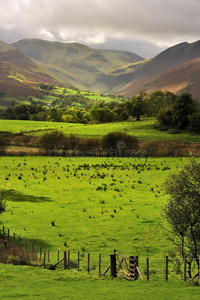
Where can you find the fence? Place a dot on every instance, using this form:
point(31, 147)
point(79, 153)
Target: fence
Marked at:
point(117, 264)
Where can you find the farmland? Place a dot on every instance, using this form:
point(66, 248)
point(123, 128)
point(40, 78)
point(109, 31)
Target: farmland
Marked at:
point(96, 205)
point(143, 130)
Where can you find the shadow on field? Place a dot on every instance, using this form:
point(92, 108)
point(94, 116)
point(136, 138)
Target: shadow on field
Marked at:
point(12, 195)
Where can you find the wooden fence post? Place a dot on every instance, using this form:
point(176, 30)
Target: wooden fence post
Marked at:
point(113, 270)
point(68, 260)
point(99, 263)
point(88, 265)
point(58, 256)
point(136, 265)
point(78, 264)
point(147, 269)
point(44, 260)
point(132, 267)
point(3, 232)
point(166, 269)
point(65, 260)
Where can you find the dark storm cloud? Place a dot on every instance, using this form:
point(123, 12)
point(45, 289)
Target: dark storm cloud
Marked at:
point(149, 24)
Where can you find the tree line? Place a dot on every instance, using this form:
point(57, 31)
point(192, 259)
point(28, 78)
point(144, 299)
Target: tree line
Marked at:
point(180, 111)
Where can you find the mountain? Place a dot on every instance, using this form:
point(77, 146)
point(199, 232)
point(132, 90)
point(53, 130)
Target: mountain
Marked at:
point(75, 63)
point(19, 74)
point(175, 69)
point(25, 64)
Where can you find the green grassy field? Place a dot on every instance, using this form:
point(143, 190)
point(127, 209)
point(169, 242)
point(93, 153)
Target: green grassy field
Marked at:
point(97, 205)
point(143, 130)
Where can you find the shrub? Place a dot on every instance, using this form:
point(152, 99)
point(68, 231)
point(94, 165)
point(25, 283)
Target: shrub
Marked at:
point(51, 141)
point(119, 141)
point(195, 122)
point(4, 141)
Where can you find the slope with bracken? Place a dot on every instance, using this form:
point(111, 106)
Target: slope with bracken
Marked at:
point(176, 69)
point(75, 63)
point(19, 74)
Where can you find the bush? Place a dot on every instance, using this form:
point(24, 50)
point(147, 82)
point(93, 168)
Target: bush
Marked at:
point(119, 141)
point(195, 122)
point(4, 141)
point(51, 141)
point(164, 117)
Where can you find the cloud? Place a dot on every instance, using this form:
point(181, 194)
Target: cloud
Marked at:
point(155, 22)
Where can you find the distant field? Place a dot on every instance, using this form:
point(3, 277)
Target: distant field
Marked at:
point(143, 130)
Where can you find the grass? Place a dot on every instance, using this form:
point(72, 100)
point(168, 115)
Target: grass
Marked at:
point(31, 283)
point(91, 205)
point(70, 193)
point(143, 130)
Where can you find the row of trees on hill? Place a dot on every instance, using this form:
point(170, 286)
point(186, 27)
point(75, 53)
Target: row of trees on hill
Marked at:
point(171, 111)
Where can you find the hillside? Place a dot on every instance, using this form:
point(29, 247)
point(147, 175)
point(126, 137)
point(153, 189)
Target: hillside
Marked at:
point(75, 63)
point(174, 69)
point(19, 74)
point(25, 64)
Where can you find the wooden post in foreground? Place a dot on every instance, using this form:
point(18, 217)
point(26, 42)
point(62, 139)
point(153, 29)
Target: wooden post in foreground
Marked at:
point(166, 269)
point(99, 263)
point(78, 264)
point(58, 256)
point(65, 260)
point(44, 260)
point(113, 265)
point(68, 260)
point(147, 269)
point(88, 266)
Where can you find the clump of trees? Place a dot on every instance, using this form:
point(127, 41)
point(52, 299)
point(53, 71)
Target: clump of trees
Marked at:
point(172, 111)
point(182, 112)
point(182, 212)
point(112, 144)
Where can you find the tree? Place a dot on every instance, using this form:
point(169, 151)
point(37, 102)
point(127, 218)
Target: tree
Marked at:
point(137, 106)
point(182, 211)
point(183, 108)
point(51, 141)
point(165, 116)
point(195, 122)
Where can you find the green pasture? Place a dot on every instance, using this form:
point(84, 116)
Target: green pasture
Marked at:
point(21, 282)
point(96, 205)
point(143, 130)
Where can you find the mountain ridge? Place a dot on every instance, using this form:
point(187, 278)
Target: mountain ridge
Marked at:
point(34, 61)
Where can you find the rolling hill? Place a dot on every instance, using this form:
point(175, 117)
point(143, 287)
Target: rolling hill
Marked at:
point(25, 64)
point(175, 69)
point(19, 74)
point(74, 63)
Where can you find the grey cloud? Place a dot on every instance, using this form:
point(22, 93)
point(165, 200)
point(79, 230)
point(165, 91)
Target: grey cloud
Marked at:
point(147, 24)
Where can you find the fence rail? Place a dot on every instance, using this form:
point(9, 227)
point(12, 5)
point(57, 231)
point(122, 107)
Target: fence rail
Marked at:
point(116, 264)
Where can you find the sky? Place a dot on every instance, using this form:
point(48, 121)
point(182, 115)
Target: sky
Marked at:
point(145, 27)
